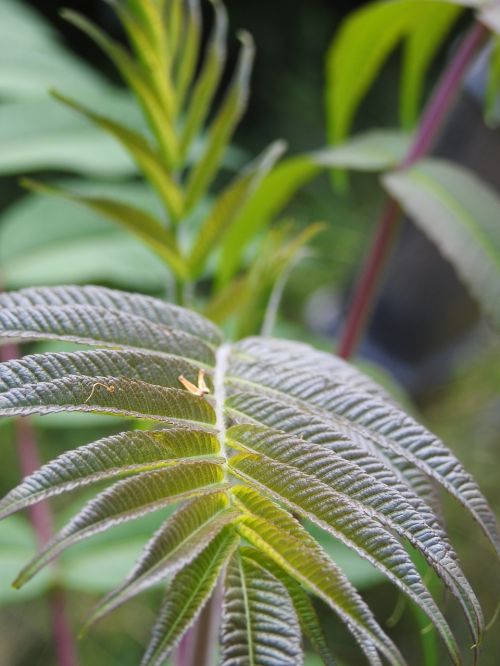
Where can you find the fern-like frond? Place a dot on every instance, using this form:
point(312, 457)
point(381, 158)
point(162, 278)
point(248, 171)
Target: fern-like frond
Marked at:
point(248, 438)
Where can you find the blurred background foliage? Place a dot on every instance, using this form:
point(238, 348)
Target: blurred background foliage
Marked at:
point(48, 241)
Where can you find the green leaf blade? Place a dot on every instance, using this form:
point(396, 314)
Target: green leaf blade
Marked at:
point(127, 500)
point(176, 544)
point(259, 622)
point(122, 455)
point(187, 595)
point(458, 213)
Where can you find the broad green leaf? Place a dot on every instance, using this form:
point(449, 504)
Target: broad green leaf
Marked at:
point(259, 625)
point(89, 250)
point(155, 113)
point(109, 257)
point(374, 150)
point(228, 205)
point(359, 49)
point(145, 156)
point(142, 224)
point(459, 214)
point(118, 456)
point(362, 45)
point(187, 594)
point(94, 569)
point(223, 126)
point(207, 82)
point(178, 541)
point(39, 135)
point(435, 21)
point(127, 500)
point(33, 57)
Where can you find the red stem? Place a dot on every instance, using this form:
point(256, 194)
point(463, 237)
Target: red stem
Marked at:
point(41, 520)
point(197, 647)
point(432, 120)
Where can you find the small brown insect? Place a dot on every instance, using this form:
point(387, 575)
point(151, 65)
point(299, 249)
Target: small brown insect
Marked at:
point(201, 389)
point(109, 389)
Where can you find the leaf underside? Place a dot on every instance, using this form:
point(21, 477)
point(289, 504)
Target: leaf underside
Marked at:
point(285, 432)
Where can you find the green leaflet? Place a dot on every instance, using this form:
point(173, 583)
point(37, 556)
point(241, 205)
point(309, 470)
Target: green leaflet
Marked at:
point(187, 58)
point(140, 150)
point(153, 109)
point(359, 416)
point(151, 309)
point(316, 501)
point(306, 566)
point(144, 225)
point(108, 395)
point(227, 207)
point(259, 625)
point(127, 500)
point(176, 544)
point(255, 296)
point(458, 213)
point(207, 82)
point(304, 609)
point(122, 455)
point(223, 126)
point(187, 595)
point(153, 53)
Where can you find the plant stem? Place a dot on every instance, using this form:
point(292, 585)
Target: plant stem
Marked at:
point(197, 648)
point(41, 520)
point(432, 120)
